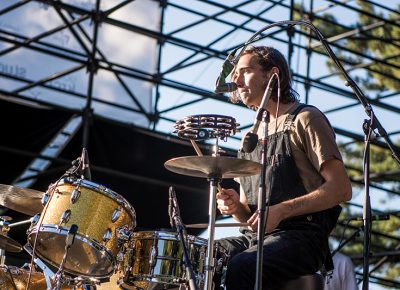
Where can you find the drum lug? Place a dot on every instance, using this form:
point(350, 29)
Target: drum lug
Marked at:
point(120, 256)
point(45, 198)
point(116, 214)
point(123, 234)
point(153, 256)
point(107, 235)
point(65, 217)
point(35, 219)
point(76, 193)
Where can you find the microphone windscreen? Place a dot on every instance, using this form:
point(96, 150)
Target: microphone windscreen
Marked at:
point(250, 142)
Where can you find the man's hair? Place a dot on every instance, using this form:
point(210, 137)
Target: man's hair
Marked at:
point(269, 57)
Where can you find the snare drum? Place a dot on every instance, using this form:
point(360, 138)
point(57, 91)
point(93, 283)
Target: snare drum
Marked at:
point(156, 257)
point(104, 219)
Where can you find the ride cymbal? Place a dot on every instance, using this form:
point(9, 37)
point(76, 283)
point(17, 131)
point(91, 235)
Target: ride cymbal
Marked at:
point(24, 200)
point(212, 166)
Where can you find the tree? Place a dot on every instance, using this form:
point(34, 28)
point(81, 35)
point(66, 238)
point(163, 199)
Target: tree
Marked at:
point(380, 41)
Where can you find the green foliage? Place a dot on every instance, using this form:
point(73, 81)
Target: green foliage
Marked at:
point(381, 158)
point(381, 42)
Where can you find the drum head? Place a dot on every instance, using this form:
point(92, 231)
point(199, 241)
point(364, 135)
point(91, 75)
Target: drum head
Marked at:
point(85, 257)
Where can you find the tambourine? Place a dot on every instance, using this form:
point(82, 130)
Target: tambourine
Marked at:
point(201, 127)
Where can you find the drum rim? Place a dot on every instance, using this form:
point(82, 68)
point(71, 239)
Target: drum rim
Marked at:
point(163, 279)
point(85, 239)
point(170, 233)
point(98, 187)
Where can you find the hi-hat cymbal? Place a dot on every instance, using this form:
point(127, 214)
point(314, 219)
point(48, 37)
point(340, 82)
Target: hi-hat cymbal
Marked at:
point(212, 166)
point(24, 200)
point(9, 245)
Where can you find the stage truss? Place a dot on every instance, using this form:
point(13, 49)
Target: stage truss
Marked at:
point(192, 39)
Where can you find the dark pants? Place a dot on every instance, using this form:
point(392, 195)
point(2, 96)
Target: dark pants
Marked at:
point(287, 254)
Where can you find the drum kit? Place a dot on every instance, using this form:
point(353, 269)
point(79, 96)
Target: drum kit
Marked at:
point(82, 234)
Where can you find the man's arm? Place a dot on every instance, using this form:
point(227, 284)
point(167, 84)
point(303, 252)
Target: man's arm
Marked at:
point(335, 190)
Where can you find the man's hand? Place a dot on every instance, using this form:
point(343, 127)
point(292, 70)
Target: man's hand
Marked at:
point(274, 218)
point(228, 201)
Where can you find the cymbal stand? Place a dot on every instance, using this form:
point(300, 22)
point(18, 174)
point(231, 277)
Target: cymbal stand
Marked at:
point(4, 228)
point(202, 127)
point(214, 180)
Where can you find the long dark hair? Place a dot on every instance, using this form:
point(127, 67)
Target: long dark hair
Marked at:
point(268, 57)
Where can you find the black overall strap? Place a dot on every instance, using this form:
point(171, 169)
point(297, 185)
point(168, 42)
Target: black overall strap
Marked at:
point(291, 117)
point(328, 266)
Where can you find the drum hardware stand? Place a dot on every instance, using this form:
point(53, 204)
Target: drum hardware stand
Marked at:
point(58, 277)
point(210, 261)
point(176, 221)
point(214, 187)
point(209, 267)
point(4, 229)
point(68, 243)
point(48, 273)
point(214, 168)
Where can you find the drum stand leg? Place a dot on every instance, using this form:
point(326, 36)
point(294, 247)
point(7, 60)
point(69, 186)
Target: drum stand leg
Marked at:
point(209, 267)
point(48, 273)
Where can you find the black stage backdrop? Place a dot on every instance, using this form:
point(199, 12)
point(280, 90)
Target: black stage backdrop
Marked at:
point(125, 159)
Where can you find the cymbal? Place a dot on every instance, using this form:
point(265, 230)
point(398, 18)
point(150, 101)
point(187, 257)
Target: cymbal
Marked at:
point(24, 200)
point(212, 166)
point(9, 245)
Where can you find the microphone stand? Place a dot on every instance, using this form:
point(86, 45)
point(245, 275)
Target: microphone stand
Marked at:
point(367, 220)
point(262, 201)
point(373, 123)
point(68, 243)
point(178, 224)
point(355, 234)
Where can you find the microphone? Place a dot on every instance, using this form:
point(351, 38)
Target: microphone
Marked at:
point(226, 69)
point(176, 215)
point(226, 88)
point(251, 138)
point(374, 217)
point(71, 235)
point(85, 165)
point(175, 205)
point(170, 205)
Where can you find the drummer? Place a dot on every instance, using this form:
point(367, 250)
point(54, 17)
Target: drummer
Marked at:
point(305, 181)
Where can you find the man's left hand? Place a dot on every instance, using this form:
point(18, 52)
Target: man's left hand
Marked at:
point(273, 219)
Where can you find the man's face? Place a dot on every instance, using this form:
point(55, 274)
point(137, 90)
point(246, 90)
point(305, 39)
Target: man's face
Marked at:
point(250, 80)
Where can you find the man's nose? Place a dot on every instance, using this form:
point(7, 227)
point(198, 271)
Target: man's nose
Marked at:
point(239, 82)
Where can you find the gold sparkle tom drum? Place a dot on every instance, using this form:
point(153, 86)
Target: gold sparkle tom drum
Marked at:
point(156, 258)
point(14, 278)
point(104, 219)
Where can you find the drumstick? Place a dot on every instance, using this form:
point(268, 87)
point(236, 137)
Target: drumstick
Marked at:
point(199, 153)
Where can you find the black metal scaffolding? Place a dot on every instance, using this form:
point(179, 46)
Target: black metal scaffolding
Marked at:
point(201, 33)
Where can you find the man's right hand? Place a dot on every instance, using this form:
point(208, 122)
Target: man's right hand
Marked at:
point(228, 201)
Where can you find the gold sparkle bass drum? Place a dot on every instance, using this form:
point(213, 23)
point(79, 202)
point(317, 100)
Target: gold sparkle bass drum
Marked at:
point(104, 220)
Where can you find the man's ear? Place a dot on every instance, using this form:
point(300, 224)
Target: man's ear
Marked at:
point(275, 70)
